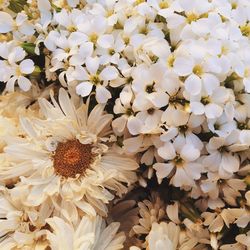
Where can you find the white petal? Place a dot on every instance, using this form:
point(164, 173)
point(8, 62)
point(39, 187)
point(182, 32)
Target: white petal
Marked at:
point(210, 83)
point(76, 60)
point(213, 111)
point(84, 88)
point(134, 125)
point(11, 84)
point(119, 124)
point(245, 137)
point(105, 41)
point(27, 66)
point(27, 29)
point(6, 22)
point(92, 64)
point(102, 94)
point(21, 18)
point(180, 178)
point(246, 82)
point(163, 169)
point(80, 74)
point(24, 83)
point(126, 95)
point(86, 49)
point(229, 163)
point(189, 153)
point(109, 73)
point(193, 85)
point(159, 99)
point(183, 66)
point(197, 108)
point(77, 38)
point(167, 152)
point(16, 55)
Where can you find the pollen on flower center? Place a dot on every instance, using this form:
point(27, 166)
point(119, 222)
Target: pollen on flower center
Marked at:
point(18, 71)
point(72, 158)
point(94, 79)
point(178, 161)
point(197, 70)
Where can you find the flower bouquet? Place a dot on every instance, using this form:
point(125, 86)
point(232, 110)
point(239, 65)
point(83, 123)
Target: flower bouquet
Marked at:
point(125, 124)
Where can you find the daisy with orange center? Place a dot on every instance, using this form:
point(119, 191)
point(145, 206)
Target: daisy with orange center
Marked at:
point(66, 157)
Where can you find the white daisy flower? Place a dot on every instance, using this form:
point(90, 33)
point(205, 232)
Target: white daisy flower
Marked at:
point(22, 227)
point(70, 160)
point(90, 234)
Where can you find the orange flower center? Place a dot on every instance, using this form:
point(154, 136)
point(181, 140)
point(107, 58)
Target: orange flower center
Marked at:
point(72, 158)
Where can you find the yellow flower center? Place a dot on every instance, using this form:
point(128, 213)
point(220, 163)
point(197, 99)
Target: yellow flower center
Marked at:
point(94, 79)
point(109, 13)
point(93, 38)
point(137, 2)
point(245, 30)
point(178, 161)
point(72, 158)
point(191, 17)
point(198, 70)
point(18, 71)
point(234, 5)
point(170, 62)
point(72, 28)
point(163, 5)
point(247, 72)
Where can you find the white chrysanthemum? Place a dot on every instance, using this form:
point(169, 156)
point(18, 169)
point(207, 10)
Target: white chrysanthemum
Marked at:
point(163, 236)
point(150, 211)
point(22, 227)
point(90, 234)
point(12, 105)
point(66, 157)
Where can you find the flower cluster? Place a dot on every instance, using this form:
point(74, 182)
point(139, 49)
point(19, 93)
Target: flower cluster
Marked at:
point(125, 124)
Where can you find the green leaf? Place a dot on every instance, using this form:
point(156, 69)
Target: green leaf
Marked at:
point(29, 48)
point(17, 5)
